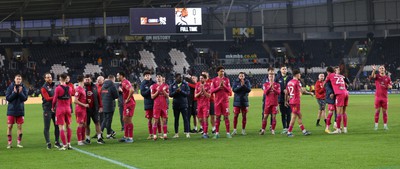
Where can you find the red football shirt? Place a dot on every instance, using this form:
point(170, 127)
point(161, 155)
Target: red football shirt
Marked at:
point(202, 100)
point(294, 90)
point(271, 93)
point(320, 90)
point(61, 104)
point(126, 86)
point(81, 96)
point(221, 94)
point(338, 83)
point(382, 83)
point(161, 100)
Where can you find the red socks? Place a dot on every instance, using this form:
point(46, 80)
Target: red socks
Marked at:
point(217, 123)
point(244, 120)
point(328, 120)
point(205, 126)
point(79, 133)
point(338, 120)
point(385, 117)
point(165, 128)
point(154, 129)
point(227, 125)
point(149, 125)
point(9, 139)
point(273, 123)
point(63, 139)
point(301, 127)
point(235, 120)
point(376, 116)
point(290, 128)
point(264, 124)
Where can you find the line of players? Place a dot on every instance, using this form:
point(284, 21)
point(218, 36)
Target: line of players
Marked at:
point(57, 103)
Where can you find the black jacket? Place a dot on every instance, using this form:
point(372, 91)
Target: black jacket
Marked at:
point(49, 88)
point(120, 96)
point(329, 90)
point(16, 100)
point(281, 80)
point(180, 98)
point(108, 95)
point(241, 97)
point(146, 93)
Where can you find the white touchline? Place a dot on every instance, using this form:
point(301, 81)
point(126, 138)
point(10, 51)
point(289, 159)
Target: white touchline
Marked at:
point(105, 159)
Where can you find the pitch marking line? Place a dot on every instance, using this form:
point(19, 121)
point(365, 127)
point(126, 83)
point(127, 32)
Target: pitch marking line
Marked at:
point(105, 159)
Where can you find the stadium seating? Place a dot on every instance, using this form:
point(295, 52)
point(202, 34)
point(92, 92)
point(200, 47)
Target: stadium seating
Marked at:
point(147, 59)
point(179, 58)
point(58, 69)
point(92, 69)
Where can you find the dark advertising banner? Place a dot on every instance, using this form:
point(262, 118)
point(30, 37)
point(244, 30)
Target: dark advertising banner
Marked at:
point(165, 21)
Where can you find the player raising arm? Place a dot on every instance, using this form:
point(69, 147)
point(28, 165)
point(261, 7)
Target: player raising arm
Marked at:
point(382, 83)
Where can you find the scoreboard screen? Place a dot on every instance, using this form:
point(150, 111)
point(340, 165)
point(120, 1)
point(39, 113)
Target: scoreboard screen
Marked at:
point(150, 21)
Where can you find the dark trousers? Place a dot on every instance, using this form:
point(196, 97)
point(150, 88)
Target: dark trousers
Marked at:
point(102, 121)
point(186, 125)
point(286, 114)
point(47, 117)
point(121, 112)
point(192, 111)
point(108, 116)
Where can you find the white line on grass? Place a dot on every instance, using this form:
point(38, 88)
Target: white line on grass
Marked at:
point(105, 159)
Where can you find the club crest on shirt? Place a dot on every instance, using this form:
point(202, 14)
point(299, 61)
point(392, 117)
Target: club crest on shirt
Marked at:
point(89, 93)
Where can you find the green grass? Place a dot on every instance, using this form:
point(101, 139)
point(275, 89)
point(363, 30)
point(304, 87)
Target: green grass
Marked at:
point(362, 147)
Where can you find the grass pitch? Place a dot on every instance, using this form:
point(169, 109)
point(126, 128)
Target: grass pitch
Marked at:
point(362, 147)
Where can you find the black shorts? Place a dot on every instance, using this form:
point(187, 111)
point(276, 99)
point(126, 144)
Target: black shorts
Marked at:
point(92, 114)
point(321, 103)
point(193, 108)
point(212, 112)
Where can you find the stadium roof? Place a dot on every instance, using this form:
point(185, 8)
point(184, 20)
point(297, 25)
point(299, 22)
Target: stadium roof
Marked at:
point(53, 9)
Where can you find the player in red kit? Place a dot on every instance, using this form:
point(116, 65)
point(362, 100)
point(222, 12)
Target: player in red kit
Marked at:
point(160, 93)
point(382, 83)
point(62, 100)
point(342, 97)
point(221, 87)
point(129, 107)
point(293, 94)
point(212, 110)
point(320, 95)
point(203, 93)
point(80, 110)
point(271, 91)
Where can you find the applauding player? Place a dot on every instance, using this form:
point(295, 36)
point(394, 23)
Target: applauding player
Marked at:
point(222, 89)
point(203, 94)
point(159, 93)
point(241, 87)
point(271, 91)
